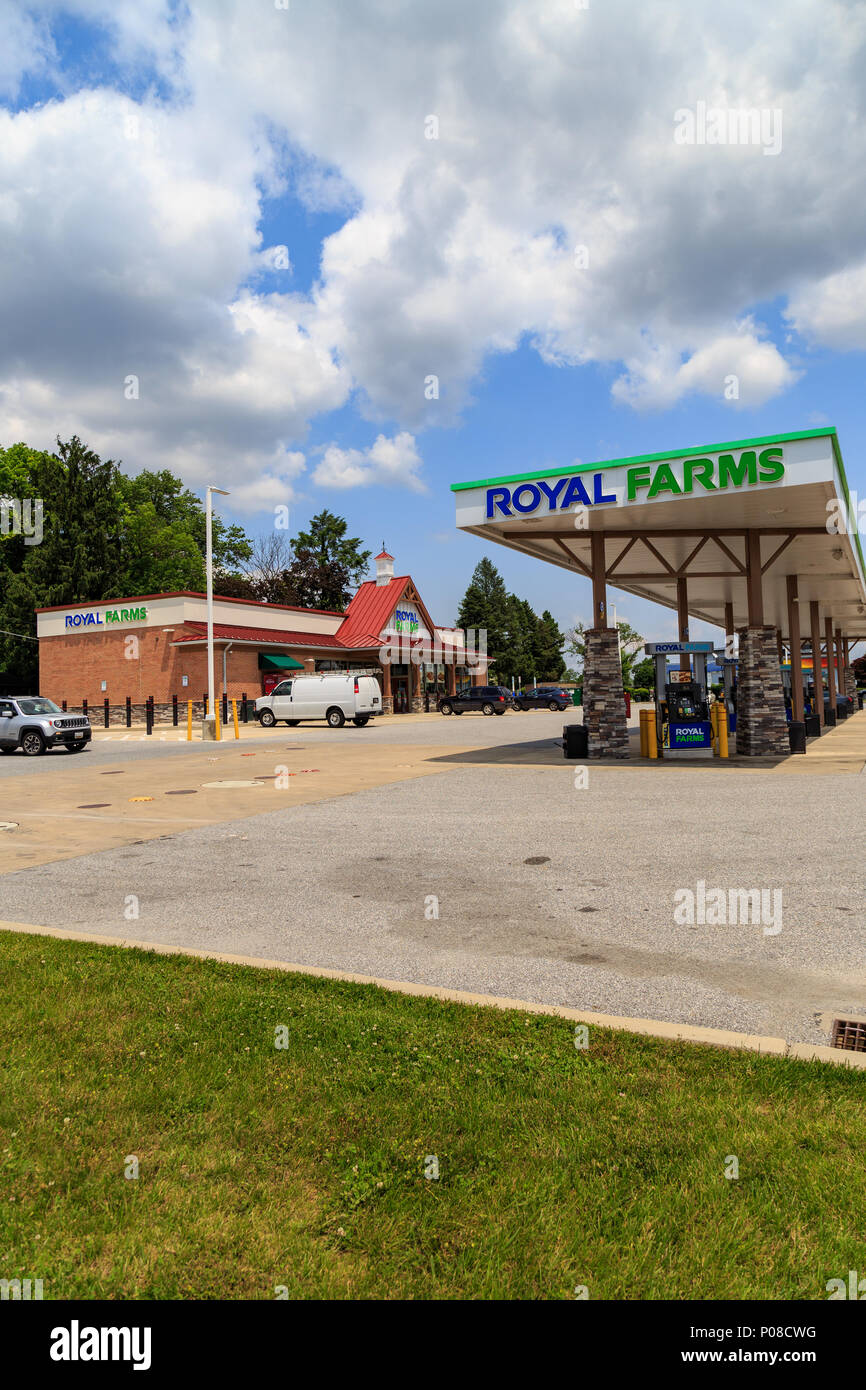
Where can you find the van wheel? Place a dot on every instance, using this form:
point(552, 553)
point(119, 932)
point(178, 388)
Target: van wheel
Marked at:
point(487, 708)
point(360, 720)
point(336, 718)
point(293, 723)
point(32, 743)
point(446, 707)
point(266, 719)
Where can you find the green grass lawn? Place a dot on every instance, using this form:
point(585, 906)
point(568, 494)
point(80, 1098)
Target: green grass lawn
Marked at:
point(305, 1166)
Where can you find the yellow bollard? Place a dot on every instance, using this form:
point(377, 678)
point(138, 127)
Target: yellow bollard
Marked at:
point(216, 711)
point(235, 718)
point(652, 733)
point(189, 721)
point(714, 728)
point(644, 738)
point(723, 731)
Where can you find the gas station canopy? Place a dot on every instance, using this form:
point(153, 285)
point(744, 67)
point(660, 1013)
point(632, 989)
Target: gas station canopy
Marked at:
point(719, 529)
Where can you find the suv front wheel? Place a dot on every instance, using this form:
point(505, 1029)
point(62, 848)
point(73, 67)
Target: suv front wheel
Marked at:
point(446, 707)
point(32, 743)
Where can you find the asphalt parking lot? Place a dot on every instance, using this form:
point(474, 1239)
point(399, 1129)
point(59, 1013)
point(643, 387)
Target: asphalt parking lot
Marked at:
point(479, 863)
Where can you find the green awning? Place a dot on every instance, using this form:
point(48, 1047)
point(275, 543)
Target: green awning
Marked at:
point(276, 661)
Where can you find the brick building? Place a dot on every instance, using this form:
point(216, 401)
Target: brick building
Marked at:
point(156, 645)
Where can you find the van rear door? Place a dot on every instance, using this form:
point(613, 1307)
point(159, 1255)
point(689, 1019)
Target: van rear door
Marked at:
point(368, 696)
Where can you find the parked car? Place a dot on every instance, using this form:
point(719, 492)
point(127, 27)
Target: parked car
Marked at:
point(842, 702)
point(545, 697)
point(334, 698)
point(489, 699)
point(35, 724)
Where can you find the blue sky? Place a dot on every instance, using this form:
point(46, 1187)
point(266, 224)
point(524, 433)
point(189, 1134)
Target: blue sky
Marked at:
point(155, 156)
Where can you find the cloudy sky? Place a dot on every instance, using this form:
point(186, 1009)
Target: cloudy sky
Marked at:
point(238, 238)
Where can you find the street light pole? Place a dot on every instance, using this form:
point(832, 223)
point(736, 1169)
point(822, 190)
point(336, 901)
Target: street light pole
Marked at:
point(208, 728)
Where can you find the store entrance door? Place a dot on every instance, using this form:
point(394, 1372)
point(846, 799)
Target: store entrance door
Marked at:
point(400, 689)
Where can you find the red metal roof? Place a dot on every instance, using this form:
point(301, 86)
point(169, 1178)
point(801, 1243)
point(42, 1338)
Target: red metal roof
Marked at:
point(369, 611)
point(225, 632)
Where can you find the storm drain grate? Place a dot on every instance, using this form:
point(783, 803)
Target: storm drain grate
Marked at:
point(849, 1034)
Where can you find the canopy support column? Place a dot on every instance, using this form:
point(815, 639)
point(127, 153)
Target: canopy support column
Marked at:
point(817, 675)
point(796, 650)
point(831, 676)
point(683, 620)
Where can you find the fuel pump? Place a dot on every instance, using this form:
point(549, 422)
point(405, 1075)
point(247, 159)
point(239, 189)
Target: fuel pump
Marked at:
point(682, 712)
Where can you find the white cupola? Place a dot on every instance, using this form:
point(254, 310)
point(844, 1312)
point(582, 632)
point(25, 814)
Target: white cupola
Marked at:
point(384, 568)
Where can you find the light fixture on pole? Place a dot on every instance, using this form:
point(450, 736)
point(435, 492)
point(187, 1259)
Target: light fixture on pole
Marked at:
point(208, 728)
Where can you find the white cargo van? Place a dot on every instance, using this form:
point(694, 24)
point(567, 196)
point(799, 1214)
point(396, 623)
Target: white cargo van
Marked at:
point(334, 698)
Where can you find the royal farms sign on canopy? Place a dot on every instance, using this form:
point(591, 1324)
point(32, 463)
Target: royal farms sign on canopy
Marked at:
point(699, 514)
point(678, 477)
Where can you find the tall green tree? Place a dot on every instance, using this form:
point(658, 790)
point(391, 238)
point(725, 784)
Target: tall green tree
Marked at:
point(485, 607)
point(547, 650)
point(104, 535)
point(327, 565)
point(630, 643)
point(174, 515)
point(81, 544)
point(518, 659)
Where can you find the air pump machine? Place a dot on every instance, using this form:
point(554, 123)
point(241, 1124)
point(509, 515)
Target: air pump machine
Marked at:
point(682, 712)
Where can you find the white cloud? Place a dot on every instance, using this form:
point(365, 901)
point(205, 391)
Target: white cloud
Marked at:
point(749, 369)
point(389, 462)
point(127, 255)
point(833, 310)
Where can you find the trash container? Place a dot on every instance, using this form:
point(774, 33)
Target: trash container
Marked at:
point(859, 699)
point(829, 717)
point(797, 736)
point(575, 741)
point(842, 710)
point(577, 696)
point(813, 726)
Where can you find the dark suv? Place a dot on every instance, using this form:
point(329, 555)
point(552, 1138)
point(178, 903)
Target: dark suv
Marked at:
point(545, 697)
point(489, 699)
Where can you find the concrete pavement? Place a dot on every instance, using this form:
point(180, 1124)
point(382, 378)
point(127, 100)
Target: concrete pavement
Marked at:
point(467, 865)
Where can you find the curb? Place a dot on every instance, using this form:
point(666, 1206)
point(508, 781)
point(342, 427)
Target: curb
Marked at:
point(654, 1028)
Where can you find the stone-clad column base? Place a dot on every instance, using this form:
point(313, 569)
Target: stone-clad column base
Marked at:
point(850, 682)
point(762, 729)
point(603, 698)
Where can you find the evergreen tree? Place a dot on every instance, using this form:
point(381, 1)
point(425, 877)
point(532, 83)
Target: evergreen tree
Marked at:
point(518, 660)
point(484, 607)
point(549, 642)
point(327, 564)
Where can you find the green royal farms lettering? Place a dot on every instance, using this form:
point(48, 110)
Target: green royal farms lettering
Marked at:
point(713, 476)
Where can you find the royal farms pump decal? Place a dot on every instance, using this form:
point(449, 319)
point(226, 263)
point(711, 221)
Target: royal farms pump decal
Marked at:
point(643, 482)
